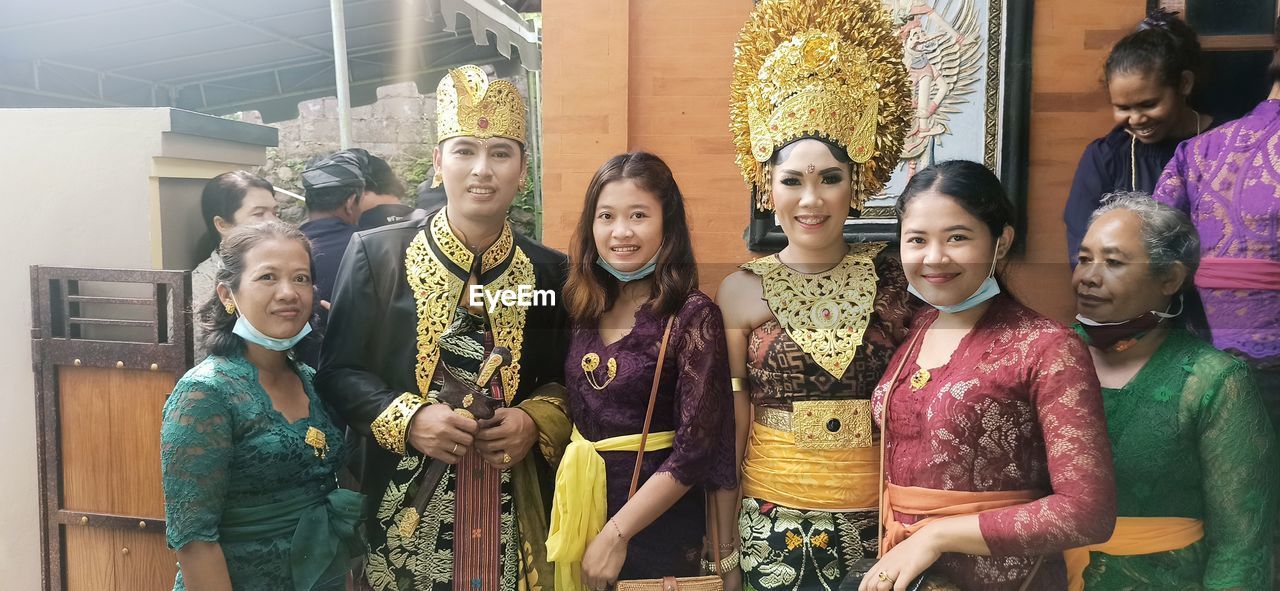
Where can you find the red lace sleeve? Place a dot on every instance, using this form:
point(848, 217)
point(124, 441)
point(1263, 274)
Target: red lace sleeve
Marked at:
point(1081, 508)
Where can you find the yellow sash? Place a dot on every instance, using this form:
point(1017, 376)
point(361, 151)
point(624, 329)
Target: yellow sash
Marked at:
point(579, 507)
point(1135, 536)
point(815, 479)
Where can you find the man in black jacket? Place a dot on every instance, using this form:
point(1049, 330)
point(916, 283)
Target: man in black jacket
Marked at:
point(417, 300)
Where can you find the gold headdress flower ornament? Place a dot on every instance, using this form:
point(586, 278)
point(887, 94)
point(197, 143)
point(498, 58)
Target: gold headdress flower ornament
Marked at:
point(469, 104)
point(829, 69)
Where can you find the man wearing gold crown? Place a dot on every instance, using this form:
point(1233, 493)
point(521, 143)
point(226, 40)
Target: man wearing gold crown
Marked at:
point(456, 502)
point(819, 107)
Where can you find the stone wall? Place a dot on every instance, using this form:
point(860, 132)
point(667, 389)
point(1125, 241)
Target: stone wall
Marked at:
point(399, 127)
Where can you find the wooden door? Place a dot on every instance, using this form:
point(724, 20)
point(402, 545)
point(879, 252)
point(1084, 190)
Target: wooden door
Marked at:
point(108, 347)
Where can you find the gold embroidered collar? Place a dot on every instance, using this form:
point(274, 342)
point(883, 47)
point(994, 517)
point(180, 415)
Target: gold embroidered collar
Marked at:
point(437, 267)
point(463, 260)
point(825, 313)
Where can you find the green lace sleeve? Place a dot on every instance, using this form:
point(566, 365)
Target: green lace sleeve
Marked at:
point(1238, 453)
point(195, 456)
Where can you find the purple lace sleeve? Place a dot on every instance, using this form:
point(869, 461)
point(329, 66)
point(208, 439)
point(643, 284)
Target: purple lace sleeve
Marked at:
point(703, 452)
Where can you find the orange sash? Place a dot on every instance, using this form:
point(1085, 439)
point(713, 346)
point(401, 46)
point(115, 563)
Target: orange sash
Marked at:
point(1135, 536)
point(938, 504)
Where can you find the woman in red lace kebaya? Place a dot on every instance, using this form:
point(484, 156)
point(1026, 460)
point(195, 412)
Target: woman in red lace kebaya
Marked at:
point(996, 456)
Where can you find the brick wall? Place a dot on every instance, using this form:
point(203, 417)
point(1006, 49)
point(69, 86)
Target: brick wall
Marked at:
point(654, 74)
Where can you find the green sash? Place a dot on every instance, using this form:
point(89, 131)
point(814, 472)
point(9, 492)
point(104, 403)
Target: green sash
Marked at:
point(323, 527)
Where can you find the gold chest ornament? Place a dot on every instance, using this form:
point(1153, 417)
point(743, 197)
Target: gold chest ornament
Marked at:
point(825, 314)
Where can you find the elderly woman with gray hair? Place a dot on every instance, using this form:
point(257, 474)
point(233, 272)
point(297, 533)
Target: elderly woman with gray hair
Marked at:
point(1194, 451)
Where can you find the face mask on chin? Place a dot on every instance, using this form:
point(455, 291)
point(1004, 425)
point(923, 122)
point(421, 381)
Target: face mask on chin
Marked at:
point(1119, 336)
point(989, 288)
point(247, 331)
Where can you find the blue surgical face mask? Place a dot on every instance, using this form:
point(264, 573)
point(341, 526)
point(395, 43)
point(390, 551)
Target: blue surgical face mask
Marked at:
point(640, 273)
point(245, 330)
point(990, 288)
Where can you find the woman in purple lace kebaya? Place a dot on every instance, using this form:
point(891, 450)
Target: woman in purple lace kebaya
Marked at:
point(632, 275)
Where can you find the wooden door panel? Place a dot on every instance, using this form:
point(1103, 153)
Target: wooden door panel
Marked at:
point(137, 401)
point(87, 460)
point(90, 558)
point(111, 440)
point(149, 564)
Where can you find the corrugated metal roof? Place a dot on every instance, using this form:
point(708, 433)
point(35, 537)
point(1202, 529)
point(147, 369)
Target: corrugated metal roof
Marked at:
point(223, 56)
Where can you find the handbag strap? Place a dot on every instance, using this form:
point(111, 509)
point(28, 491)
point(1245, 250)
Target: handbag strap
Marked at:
point(708, 499)
point(648, 414)
point(884, 430)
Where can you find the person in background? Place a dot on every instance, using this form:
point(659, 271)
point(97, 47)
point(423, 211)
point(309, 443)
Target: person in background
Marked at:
point(248, 451)
point(228, 200)
point(333, 187)
point(383, 199)
point(1228, 182)
point(996, 457)
point(1194, 451)
point(1149, 76)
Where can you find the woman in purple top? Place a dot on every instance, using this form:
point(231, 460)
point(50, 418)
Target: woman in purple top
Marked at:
point(1228, 181)
point(633, 270)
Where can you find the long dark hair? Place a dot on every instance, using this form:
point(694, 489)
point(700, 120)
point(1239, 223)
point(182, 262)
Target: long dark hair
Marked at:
point(1163, 45)
point(222, 196)
point(974, 188)
point(590, 291)
point(213, 317)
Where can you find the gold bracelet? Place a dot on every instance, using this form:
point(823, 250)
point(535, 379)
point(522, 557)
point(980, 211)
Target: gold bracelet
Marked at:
point(618, 529)
point(739, 384)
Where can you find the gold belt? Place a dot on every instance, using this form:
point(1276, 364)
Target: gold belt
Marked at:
point(822, 424)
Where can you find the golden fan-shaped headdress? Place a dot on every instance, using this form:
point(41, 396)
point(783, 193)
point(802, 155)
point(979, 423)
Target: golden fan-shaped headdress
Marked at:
point(469, 104)
point(830, 69)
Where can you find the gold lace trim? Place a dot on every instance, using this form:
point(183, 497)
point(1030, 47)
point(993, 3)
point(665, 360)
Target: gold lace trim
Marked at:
point(392, 425)
point(507, 322)
point(435, 294)
point(437, 291)
point(825, 313)
point(460, 255)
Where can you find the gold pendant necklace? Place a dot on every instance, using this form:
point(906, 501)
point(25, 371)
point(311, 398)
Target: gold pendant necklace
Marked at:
point(590, 362)
point(920, 379)
point(315, 438)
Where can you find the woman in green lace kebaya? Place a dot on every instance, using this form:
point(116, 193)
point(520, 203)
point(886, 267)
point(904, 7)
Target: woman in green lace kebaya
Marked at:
point(248, 452)
point(1194, 451)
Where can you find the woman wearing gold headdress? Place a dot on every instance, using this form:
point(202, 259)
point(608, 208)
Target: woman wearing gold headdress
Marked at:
point(819, 107)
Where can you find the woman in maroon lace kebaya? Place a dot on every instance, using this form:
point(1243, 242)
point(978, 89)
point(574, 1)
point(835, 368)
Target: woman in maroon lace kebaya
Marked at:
point(994, 424)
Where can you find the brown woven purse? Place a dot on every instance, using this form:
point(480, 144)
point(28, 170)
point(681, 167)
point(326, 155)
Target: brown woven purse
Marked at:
point(704, 583)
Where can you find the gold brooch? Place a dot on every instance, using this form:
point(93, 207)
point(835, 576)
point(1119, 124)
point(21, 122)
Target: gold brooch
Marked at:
point(920, 379)
point(590, 362)
point(315, 438)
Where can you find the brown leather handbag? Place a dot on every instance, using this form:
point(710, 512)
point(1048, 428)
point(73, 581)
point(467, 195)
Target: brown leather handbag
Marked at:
point(703, 583)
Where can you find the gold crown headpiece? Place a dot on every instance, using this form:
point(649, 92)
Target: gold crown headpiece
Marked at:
point(830, 69)
point(469, 104)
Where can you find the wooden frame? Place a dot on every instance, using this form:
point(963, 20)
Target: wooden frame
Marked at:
point(1006, 115)
point(62, 316)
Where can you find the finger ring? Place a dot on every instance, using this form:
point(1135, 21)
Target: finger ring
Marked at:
point(506, 458)
point(884, 577)
point(455, 449)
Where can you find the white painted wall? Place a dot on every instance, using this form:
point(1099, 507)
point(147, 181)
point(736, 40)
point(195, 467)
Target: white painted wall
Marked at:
point(80, 188)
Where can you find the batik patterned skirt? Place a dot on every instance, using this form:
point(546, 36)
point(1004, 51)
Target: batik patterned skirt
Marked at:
point(796, 549)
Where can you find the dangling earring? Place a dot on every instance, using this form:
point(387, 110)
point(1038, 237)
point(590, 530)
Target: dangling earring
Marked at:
point(524, 184)
point(230, 308)
point(764, 197)
point(436, 180)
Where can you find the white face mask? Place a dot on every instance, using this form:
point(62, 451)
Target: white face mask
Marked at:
point(989, 288)
point(245, 330)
